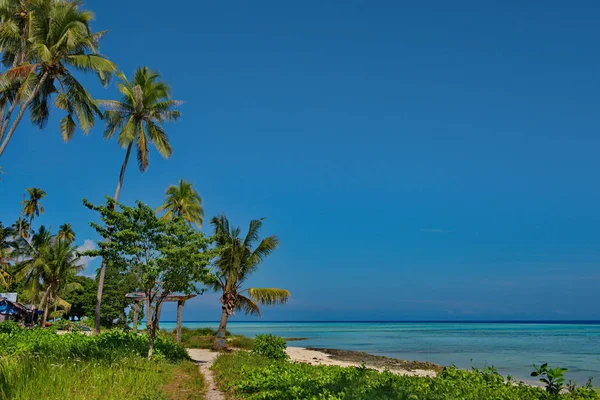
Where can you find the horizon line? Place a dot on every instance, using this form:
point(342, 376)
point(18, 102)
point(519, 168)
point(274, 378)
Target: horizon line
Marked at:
point(412, 321)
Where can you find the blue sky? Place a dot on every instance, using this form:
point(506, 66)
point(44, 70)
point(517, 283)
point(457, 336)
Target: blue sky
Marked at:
point(428, 160)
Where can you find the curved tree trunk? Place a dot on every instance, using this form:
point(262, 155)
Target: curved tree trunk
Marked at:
point(103, 266)
point(219, 342)
point(22, 110)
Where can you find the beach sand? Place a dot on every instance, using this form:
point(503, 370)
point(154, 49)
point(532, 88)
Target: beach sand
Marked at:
point(356, 359)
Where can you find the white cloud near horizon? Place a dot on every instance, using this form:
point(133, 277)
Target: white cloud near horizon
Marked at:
point(88, 244)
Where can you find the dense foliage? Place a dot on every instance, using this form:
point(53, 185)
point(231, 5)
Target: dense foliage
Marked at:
point(40, 364)
point(249, 376)
point(166, 256)
point(108, 345)
point(269, 346)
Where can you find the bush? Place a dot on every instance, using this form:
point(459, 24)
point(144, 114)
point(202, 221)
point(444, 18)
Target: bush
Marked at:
point(269, 346)
point(248, 376)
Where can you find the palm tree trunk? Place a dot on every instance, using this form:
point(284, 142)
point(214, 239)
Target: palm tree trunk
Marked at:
point(45, 318)
point(219, 343)
point(136, 312)
point(122, 174)
point(20, 115)
point(44, 298)
point(103, 266)
point(179, 317)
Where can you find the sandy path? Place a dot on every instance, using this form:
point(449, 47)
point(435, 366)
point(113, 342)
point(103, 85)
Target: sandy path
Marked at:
point(300, 354)
point(205, 358)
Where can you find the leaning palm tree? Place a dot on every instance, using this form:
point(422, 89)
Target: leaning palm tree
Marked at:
point(32, 206)
point(55, 38)
point(65, 232)
point(234, 265)
point(137, 118)
point(183, 201)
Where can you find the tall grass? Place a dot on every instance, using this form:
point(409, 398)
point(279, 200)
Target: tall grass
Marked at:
point(39, 364)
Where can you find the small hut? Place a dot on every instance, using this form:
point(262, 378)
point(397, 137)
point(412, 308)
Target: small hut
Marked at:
point(179, 298)
point(13, 309)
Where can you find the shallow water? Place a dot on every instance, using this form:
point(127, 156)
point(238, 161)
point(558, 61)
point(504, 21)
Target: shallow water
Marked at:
point(511, 347)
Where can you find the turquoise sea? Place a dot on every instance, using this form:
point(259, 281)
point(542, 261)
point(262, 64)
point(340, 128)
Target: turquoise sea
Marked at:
point(511, 347)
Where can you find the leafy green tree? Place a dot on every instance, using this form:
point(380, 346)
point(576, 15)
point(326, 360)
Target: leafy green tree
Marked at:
point(44, 41)
point(82, 299)
point(117, 283)
point(65, 232)
point(234, 265)
point(138, 118)
point(183, 201)
point(167, 256)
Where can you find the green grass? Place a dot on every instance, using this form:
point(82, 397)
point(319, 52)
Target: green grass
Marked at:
point(202, 338)
point(39, 364)
point(247, 376)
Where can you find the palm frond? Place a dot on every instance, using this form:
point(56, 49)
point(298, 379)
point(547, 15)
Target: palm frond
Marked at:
point(247, 306)
point(269, 296)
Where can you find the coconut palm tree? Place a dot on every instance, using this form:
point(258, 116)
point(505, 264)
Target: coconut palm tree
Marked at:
point(45, 41)
point(183, 201)
point(32, 207)
point(51, 269)
point(137, 118)
point(6, 254)
point(22, 228)
point(65, 232)
point(234, 265)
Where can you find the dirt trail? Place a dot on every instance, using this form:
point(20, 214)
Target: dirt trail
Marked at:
point(205, 358)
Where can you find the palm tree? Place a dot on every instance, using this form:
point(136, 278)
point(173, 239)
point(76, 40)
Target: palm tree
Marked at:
point(32, 207)
point(183, 201)
point(6, 254)
point(22, 228)
point(51, 269)
point(236, 262)
point(65, 232)
point(138, 118)
point(43, 41)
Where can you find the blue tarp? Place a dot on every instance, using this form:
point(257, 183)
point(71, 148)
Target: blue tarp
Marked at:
point(8, 308)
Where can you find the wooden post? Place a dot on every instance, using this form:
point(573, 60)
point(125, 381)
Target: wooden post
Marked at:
point(136, 311)
point(179, 318)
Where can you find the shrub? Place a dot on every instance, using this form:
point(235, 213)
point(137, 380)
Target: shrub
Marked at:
point(269, 346)
point(248, 376)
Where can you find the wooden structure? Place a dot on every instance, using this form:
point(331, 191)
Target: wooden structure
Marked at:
point(179, 298)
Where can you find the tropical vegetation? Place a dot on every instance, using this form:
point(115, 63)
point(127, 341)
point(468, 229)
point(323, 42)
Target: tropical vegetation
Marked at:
point(137, 118)
point(246, 375)
point(38, 363)
point(238, 258)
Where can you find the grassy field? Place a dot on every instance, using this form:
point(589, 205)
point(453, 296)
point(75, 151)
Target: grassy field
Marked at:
point(202, 338)
point(247, 376)
point(38, 364)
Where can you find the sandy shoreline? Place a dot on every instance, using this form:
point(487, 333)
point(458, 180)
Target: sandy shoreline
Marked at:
point(355, 359)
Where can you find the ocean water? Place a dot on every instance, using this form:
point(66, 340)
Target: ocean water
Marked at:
point(510, 347)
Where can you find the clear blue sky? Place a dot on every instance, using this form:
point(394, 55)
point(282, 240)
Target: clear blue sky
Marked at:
point(418, 160)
